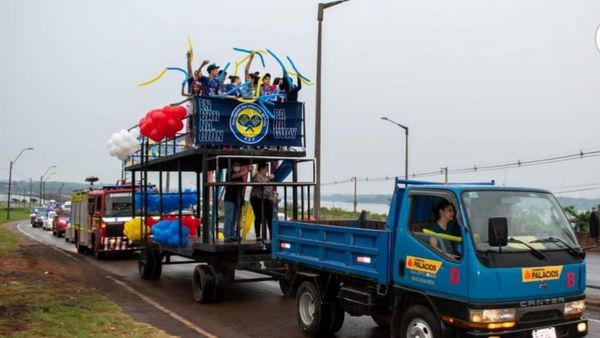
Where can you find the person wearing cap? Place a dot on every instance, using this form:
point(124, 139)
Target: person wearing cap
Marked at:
point(210, 84)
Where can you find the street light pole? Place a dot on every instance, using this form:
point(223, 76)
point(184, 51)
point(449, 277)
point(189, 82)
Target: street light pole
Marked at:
point(405, 144)
point(44, 185)
point(42, 181)
point(317, 195)
point(10, 180)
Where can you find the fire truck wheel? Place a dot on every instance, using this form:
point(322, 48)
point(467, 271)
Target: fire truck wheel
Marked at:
point(313, 316)
point(96, 249)
point(202, 284)
point(78, 245)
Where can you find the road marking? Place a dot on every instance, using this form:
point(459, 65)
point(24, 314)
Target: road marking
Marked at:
point(593, 320)
point(165, 310)
point(47, 243)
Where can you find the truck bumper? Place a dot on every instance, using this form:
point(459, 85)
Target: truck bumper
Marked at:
point(563, 330)
point(118, 243)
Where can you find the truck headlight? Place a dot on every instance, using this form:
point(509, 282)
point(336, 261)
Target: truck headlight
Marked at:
point(492, 315)
point(574, 308)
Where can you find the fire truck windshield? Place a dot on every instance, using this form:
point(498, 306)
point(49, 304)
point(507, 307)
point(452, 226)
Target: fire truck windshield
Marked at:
point(118, 204)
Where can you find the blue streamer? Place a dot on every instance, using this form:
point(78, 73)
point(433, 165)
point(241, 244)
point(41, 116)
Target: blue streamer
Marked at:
point(296, 69)
point(266, 109)
point(220, 77)
point(262, 60)
point(186, 76)
point(277, 59)
point(232, 90)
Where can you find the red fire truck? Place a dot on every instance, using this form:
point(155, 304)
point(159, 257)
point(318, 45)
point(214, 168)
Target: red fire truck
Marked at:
point(98, 217)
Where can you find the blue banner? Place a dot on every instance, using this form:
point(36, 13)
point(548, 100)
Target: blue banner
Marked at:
point(232, 123)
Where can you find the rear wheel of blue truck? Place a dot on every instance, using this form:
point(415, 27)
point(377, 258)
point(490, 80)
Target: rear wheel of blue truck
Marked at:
point(418, 321)
point(313, 316)
point(337, 314)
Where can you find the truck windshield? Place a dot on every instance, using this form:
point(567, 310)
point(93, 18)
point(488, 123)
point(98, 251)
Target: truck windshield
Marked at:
point(118, 204)
point(532, 217)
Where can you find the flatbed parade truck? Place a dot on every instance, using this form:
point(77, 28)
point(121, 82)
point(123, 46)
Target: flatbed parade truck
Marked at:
point(218, 144)
point(513, 268)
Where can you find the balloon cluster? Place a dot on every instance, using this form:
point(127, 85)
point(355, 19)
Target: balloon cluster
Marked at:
point(132, 229)
point(167, 233)
point(162, 122)
point(189, 221)
point(122, 144)
point(170, 201)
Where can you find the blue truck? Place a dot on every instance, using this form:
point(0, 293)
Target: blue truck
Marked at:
point(512, 268)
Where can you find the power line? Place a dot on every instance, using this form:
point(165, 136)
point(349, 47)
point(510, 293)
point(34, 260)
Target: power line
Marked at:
point(489, 167)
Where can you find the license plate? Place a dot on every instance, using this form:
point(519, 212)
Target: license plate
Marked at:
point(549, 332)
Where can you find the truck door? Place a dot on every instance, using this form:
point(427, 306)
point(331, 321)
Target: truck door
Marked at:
point(429, 259)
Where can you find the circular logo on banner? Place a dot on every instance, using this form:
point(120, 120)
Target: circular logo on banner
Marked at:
point(249, 123)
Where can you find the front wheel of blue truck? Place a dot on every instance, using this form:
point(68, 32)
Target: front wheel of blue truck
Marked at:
point(417, 321)
point(313, 316)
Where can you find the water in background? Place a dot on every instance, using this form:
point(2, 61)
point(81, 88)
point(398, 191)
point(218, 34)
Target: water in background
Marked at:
point(372, 207)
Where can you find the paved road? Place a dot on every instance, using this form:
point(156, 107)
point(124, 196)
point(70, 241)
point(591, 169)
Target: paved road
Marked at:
point(249, 309)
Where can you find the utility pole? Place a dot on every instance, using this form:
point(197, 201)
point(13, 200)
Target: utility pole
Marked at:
point(317, 197)
point(10, 180)
point(445, 171)
point(30, 190)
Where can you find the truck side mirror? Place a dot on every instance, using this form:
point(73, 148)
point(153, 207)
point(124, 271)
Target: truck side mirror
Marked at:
point(497, 231)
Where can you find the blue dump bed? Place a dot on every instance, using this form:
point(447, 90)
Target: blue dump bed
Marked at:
point(343, 248)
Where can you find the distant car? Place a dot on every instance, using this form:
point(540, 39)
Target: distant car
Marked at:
point(60, 222)
point(48, 221)
point(41, 215)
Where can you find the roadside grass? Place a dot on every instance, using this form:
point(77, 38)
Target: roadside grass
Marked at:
point(33, 307)
point(9, 242)
point(31, 310)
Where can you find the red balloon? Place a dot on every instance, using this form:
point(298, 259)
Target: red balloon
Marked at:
point(179, 125)
point(179, 112)
point(156, 135)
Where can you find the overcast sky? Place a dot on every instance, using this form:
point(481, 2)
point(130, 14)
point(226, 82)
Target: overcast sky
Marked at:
point(477, 82)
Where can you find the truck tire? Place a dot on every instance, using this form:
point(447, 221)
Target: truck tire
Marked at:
point(96, 249)
point(202, 284)
point(80, 248)
point(218, 284)
point(419, 321)
point(337, 314)
point(157, 258)
point(313, 316)
point(149, 264)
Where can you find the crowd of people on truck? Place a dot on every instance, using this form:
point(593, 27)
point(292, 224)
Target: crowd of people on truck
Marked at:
point(215, 83)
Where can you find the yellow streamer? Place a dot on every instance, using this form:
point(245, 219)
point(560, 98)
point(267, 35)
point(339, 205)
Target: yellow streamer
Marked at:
point(246, 100)
point(190, 49)
point(301, 79)
point(443, 236)
point(153, 79)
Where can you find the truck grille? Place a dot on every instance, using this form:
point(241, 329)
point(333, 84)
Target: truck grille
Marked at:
point(540, 316)
point(114, 230)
